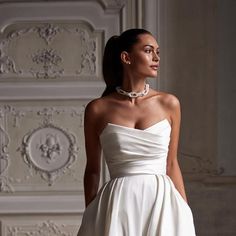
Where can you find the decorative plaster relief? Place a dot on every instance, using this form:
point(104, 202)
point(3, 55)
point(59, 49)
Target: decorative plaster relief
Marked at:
point(49, 32)
point(4, 145)
point(5, 185)
point(6, 64)
point(47, 113)
point(17, 116)
point(49, 150)
point(49, 60)
point(46, 228)
point(69, 51)
point(80, 114)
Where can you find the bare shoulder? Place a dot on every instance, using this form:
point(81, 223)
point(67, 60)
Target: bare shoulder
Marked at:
point(169, 101)
point(95, 108)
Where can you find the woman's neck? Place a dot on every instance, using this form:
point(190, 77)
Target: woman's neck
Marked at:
point(133, 85)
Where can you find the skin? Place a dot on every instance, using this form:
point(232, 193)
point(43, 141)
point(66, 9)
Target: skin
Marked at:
point(140, 113)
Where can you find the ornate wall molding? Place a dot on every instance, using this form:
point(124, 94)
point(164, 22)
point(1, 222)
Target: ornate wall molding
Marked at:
point(5, 185)
point(49, 32)
point(4, 145)
point(49, 149)
point(48, 16)
point(52, 91)
point(50, 60)
point(112, 6)
point(68, 51)
point(43, 228)
point(46, 89)
point(7, 65)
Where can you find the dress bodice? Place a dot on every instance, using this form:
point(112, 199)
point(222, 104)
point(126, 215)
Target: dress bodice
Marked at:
point(129, 151)
point(140, 198)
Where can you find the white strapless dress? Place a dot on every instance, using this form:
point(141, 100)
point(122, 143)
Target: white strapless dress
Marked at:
point(140, 199)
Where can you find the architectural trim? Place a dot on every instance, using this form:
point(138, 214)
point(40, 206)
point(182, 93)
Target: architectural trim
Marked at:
point(50, 91)
point(10, 205)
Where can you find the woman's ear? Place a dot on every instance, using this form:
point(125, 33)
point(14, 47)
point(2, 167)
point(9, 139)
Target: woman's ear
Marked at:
point(125, 57)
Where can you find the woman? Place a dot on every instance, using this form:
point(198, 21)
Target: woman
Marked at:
point(138, 130)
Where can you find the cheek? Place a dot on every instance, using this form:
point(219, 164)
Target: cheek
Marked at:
point(142, 61)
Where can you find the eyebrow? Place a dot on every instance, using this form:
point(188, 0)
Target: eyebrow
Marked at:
point(148, 45)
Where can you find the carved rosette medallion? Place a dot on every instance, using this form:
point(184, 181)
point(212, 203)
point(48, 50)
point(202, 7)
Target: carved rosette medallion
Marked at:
point(49, 150)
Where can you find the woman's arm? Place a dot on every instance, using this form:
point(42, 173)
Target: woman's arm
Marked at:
point(93, 153)
point(173, 169)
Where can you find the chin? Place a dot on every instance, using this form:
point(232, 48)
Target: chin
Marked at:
point(152, 75)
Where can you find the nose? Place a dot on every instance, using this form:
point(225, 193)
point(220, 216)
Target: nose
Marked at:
point(156, 57)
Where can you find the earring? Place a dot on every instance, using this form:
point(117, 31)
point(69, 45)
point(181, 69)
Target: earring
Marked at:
point(128, 62)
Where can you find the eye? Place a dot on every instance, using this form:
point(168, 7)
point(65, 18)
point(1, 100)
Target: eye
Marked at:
point(148, 50)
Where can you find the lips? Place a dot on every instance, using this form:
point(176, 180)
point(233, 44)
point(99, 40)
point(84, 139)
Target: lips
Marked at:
point(154, 67)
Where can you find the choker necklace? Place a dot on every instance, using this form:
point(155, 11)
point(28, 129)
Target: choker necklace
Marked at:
point(133, 94)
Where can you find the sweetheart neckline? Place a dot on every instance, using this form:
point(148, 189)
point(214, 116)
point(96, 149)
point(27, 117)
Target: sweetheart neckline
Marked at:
point(131, 128)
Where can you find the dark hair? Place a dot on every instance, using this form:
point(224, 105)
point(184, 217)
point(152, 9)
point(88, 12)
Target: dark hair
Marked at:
point(112, 67)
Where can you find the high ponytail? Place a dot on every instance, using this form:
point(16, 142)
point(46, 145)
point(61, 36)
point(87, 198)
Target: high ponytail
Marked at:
point(112, 67)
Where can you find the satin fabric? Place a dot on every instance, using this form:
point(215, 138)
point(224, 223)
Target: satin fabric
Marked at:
point(140, 199)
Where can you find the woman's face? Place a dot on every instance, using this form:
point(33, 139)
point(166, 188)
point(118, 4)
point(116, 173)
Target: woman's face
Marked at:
point(144, 57)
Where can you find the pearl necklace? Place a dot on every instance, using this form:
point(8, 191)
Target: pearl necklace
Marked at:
point(133, 94)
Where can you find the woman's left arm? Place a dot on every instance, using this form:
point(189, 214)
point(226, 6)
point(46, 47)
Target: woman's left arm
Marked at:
point(173, 169)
